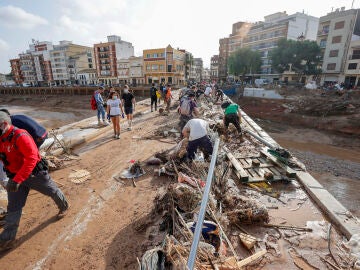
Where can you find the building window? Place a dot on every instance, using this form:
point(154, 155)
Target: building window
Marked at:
point(155, 55)
point(356, 54)
point(339, 25)
point(352, 66)
point(334, 53)
point(148, 67)
point(331, 66)
point(148, 55)
point(336, 39)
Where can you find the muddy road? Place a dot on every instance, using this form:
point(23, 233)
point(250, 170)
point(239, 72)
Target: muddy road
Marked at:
point(333, 159)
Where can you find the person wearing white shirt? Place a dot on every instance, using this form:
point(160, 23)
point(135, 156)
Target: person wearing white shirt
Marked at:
point(114, 110)
point(208, 91)
point(197, 131)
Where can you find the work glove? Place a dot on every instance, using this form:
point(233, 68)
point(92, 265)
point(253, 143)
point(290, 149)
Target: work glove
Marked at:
point(108, 116)
point(12, 186)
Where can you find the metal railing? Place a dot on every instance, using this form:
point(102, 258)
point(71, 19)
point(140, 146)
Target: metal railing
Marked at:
point(204, 201)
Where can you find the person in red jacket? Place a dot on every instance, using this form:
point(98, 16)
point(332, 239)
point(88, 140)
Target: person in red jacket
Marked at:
point(26, 170)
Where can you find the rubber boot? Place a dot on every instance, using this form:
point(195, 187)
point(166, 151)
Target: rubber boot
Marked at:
point(7, 237)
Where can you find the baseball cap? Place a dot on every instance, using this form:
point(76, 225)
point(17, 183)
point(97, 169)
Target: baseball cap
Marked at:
point(102, 87)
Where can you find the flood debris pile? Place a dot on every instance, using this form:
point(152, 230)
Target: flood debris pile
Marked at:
point(239, 231)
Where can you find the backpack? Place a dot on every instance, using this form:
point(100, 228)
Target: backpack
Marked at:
point(35, 130)
point(93, 102)
point(153, 91)
point(185, 108)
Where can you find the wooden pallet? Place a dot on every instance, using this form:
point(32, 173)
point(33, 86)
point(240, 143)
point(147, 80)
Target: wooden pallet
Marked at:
point(260, 168)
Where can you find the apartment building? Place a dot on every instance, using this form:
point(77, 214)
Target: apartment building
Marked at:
point(33, 66)
point(67, 59)
point(42, 64)
point(136, 75)
point(106, 57)
point(164, 65)
point(223, 58)
point(352, 65)
point(16, 71)
point(123, 67)
point(86, 76)
point(214, 68)
point(338, 38)
point(27, 67)
point(199, 67)
point(205, 74)
point(263, 36)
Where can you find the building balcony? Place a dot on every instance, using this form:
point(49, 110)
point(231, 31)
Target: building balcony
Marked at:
point(323, 32)
point(354, 56)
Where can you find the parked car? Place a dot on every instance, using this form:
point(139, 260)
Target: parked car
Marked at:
point(261, 82)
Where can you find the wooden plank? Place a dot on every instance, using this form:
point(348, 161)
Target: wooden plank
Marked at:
point(243, 163)
point(239, 155)
point(249, 160)
point(239, 171)
point(262, 160)
point(259, 171)
point(252, 172)
point(274, 170)
point(252, 258)
point(289, 172)
point(262, 179)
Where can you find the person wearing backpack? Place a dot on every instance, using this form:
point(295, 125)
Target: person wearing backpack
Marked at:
point(37, 131)
point(187, 109)
point(100, 105)
point(26, 170)
point(153, 96)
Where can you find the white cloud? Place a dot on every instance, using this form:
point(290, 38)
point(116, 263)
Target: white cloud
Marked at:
point(4, 46)
point(15, 17)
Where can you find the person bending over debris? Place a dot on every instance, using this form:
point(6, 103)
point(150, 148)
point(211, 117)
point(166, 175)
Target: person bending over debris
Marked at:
point(26, 170)
point(219, 95)
point(128, 100)
point(232, 115)
point(197, 131)
point(187, 109)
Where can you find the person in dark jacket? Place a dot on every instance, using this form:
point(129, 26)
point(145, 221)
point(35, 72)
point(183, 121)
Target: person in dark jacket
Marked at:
point(153, 96)
point(26, 170)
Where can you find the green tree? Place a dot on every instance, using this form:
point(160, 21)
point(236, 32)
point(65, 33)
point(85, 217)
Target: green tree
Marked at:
point(244, 61)
point(302, 56)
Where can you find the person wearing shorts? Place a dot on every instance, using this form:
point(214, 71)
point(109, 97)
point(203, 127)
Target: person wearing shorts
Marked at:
point(114, 110)
point(128, 101)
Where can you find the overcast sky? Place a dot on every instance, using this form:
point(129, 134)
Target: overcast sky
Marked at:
point(194, 25)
